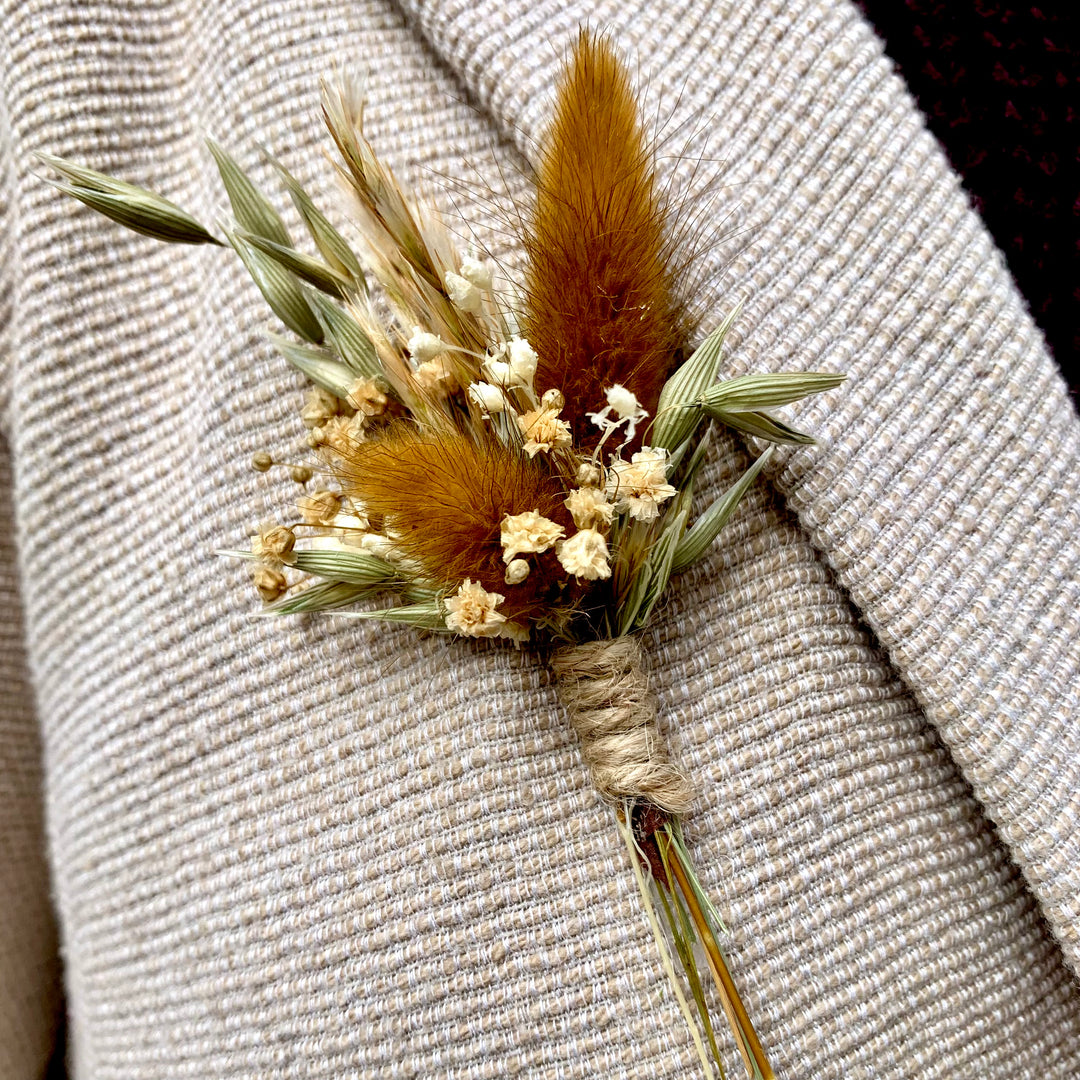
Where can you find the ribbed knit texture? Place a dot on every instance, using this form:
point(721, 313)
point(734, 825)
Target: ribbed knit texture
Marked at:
point(313, 849)
point(29, 970)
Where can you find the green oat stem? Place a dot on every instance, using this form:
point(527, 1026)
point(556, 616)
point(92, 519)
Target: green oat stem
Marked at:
point(637, 861)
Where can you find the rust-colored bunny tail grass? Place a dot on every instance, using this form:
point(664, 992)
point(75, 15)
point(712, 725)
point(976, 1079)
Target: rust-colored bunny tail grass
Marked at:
point(601, 303)
point(443, 496)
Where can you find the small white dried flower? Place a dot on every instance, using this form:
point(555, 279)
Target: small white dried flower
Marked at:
point(350, 527)
point(543, 430)
point(624, 402)
point(341, 433)
point(626, 407)
point(376, 544)
point(589, 508)
point(528, 534)
point(270, 583)
point(436, 376)
point(639, 485)
point(490, 398)
point(423, 346)
point(319, 508)
point(523, 360)
point(471, 611)
point(477, 272)
point(500, 373)
point(553, 399)
point(464, 295)
point(516, 572)
point(319, 406)
point(272, 545)
point(585, 555)
point(366, 397)
point(589, 474)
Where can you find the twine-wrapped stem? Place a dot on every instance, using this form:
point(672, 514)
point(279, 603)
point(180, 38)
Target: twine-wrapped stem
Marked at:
point(607, 697)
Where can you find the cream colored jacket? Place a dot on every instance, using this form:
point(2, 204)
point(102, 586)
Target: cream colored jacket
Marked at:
point(311, 849)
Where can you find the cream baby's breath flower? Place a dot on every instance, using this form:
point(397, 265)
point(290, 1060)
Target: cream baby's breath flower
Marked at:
point(528, 534)
point(382, 547)
point(423, 346)
point(523, 360)
point(270, 583)
point(589, 474)
point(589, 507)
point(341, 433)
point(273, 544)
point(626, 407)
point(639, 485)
point(489, 398)
point(471, 611)
point(366, 397)
point(514, 365)
point(477, 272)
point(543, 430)
point(319, 508)
point(319, 406)
point(464, 295)
point(585, 555)
point(436, 376)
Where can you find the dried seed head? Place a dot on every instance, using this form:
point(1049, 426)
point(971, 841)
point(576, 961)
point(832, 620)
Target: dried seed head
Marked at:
point(516, 572)
point(273, 544)
point(600, 288)
point(270, 583)
point(553, 399)
point(262, 461)
point(300, 474)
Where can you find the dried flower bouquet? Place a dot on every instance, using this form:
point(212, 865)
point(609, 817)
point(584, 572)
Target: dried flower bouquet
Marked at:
point(518, 469)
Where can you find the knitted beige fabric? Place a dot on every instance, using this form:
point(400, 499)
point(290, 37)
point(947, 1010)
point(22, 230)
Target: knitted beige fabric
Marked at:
point(286, 849)
point(29, 971)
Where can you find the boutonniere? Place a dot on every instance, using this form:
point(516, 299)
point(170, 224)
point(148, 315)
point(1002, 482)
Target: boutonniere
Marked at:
point(513, 460)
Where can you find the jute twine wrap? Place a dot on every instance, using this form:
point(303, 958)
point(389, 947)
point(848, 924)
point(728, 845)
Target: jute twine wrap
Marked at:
point(606, 693)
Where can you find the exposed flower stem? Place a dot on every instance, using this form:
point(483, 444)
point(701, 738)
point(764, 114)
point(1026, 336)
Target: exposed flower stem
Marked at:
point(753, 1055)
point(639, 861)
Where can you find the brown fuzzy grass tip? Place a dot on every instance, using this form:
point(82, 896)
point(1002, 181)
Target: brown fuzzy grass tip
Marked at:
point(601, 303)
point(443, 497)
